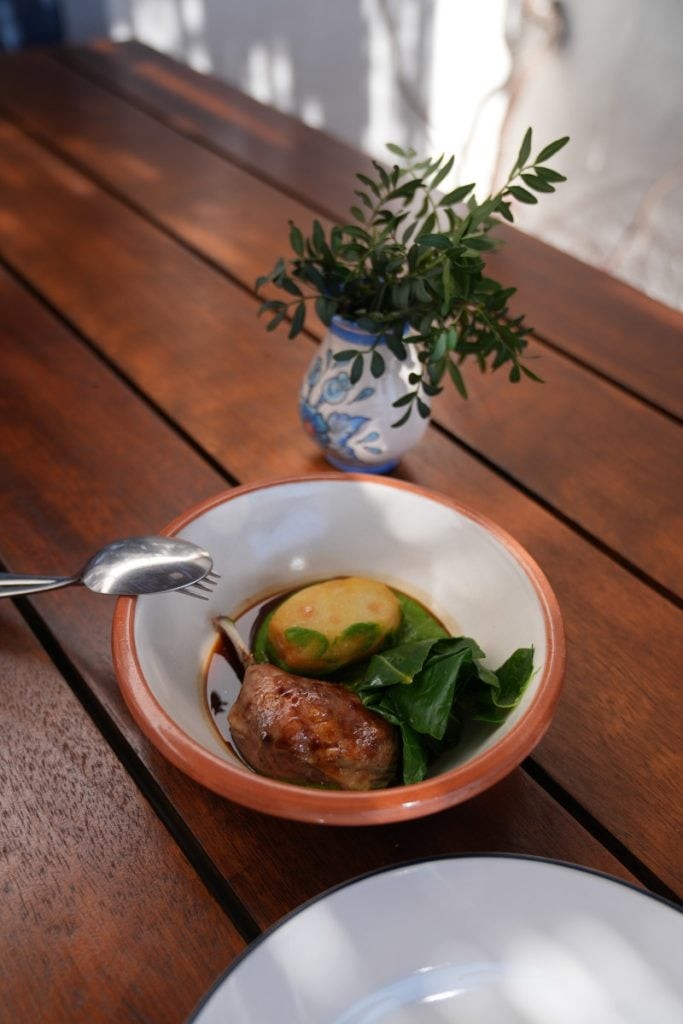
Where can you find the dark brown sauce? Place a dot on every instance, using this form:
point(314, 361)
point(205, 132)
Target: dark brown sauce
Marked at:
point(225, 671)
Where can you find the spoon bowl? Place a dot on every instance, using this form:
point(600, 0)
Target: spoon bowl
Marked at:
point(130, 567)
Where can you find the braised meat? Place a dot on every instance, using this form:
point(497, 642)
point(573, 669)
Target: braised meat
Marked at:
point(306, 731)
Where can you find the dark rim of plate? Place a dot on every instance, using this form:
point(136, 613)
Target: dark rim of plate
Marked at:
point(413, 863)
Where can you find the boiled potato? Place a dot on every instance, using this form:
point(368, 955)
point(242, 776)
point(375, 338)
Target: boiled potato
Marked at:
point(328, 625)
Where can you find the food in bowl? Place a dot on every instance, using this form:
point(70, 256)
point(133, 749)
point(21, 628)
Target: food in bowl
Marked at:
point(397, 689)
point(332, 624)
point(275, 537)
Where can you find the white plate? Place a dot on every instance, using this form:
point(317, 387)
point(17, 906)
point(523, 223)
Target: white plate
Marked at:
point(472, 940)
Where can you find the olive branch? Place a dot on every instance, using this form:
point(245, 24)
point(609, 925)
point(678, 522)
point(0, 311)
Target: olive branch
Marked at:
point(410, 269)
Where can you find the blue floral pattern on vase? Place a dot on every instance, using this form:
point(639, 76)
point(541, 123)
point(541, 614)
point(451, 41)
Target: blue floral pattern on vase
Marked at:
point(352, 437)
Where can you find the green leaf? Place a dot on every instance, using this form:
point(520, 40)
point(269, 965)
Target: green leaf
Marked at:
point(551, 150)
point(434, 241)
point(409, 232)
point(440, 346)
point(311, 275)
point(428, 225)
point(370, 184)
point(357, 368)
point(346, 355)
point(396, 347)
point(278, 318)
point(420, 291)
point(479, 242)
point(325, 309)
point(396, 150)
point(406, 191)
point(377, 364)
point(530, 374)
point(297, 320)
point(426, 703)
point(358, 213)
point(515, 374)
point(423, 409)
point(356, 232)
point(447, 285)
point(318, 236)
point(499, 692)
point(403, 400)
point(296, 239)
point(417, 622)
point(525, 149)
point(433, 165)
point(446, 169)
point(513, 677)
point(522, 194)
point(533, 181)
point(384, 177)
point(457, 195)
point(404, 418)
point(397, 666)
point(290, 286)
point(456, 377)
point(414, 755)
point(364, 198)
point(548, 174)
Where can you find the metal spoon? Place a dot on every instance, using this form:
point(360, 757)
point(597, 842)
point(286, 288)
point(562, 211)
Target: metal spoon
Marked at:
point(138, 565)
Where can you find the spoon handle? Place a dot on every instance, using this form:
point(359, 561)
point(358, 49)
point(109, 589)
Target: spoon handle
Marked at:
point(14, 584)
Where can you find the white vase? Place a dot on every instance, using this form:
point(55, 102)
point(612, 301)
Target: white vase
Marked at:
point(352, 423)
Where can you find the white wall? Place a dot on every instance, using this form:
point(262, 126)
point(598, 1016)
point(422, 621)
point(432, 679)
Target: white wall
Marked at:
point(464, 77)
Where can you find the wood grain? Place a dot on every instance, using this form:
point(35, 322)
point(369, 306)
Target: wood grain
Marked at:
point(593, 316)
point(104, 437)
point(272, 865)
point(94, 891)
point(65, 497)
point(228, 215)
point(558, 440)
point(314, 167)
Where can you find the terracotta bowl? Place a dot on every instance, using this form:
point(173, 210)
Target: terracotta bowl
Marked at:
point(279, 535)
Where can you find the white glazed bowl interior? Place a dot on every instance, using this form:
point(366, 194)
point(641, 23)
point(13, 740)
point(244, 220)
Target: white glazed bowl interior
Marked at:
point(282, 535)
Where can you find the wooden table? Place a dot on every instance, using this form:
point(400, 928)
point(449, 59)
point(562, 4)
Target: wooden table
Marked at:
point(138, 203)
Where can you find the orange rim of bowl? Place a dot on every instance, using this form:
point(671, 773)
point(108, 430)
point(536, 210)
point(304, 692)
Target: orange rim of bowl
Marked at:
point(341, 807)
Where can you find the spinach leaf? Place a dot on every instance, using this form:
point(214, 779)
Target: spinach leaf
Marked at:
point(414, 755)
point(397, 665)
point(502, 690)
point(426, 704)
point(429, 688)
point(417, 623)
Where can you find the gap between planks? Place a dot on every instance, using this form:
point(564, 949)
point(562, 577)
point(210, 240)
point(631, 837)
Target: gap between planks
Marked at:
point(215, 883)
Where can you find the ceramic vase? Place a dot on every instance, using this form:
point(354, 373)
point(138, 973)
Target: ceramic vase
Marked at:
point(352, 423)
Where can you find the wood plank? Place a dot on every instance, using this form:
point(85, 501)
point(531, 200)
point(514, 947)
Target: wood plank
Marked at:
point(129, 443)
point(595, 317)
point(314, 167)
point(173, 313)
point(637, 513)
point(126, 478)
point(231, 217)
point(95, 891)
